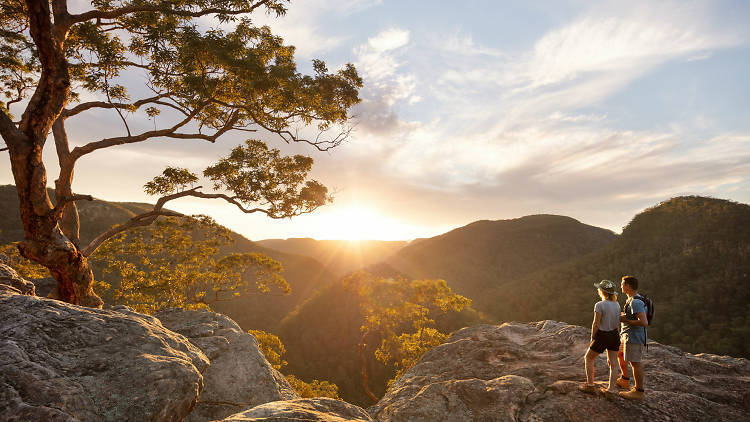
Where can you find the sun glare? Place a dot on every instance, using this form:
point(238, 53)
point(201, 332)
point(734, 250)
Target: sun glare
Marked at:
point(361, 223)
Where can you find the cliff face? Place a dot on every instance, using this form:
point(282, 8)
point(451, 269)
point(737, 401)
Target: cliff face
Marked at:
point(60, 362)
point(239, 376)
point(530, 372)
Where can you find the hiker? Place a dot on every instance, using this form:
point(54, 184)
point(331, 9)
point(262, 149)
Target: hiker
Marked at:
point(604, 336)
point(633, 338)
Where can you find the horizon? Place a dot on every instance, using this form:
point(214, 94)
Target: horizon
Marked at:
point(460, 225)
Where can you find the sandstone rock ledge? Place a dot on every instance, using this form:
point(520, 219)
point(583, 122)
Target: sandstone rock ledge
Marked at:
point(60, 362)
point(530, 371)
point(319, 409)
point(239, 377)
point(10, 281)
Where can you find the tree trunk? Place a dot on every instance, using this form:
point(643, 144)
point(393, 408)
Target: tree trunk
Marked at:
point(44, 242)
point(70, 223)
point(365, 380)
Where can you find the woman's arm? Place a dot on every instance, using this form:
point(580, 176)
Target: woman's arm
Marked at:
point(595, 324)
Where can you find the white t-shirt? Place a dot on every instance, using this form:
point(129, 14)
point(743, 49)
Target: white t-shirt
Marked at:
point(610, 311)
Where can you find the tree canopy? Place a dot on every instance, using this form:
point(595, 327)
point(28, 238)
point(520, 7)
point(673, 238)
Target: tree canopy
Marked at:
point(208, 70)
point(177, 263)
point(401, 314)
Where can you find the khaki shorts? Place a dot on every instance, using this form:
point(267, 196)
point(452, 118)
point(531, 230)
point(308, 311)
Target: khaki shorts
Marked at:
point(633, 352)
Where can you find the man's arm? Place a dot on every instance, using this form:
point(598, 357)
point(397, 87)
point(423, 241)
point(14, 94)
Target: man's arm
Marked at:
point(642, 321)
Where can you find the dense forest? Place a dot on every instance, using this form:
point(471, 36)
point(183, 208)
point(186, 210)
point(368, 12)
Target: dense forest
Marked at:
point(692, 257)
point(322, 335)
point(486, 254)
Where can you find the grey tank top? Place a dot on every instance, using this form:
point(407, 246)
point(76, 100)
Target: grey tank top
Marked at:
point(610, 311)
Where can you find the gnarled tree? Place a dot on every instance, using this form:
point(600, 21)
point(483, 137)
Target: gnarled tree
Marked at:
point(203, 82)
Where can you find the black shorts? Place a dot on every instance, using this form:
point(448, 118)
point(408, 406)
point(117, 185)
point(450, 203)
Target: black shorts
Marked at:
point(605, 340)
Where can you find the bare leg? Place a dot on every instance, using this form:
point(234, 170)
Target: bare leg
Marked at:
point(612, 362)
point(621, 359)
point(590, 356)
point(638, 374)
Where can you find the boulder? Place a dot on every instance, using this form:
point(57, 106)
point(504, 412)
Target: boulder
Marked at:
point(12, 282)
point(44, 286)
point(321, 409)
point(239, 377)
point(61, 362)
point(531, 371)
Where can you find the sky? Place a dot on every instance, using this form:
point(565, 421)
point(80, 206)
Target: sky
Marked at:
point(491, 110)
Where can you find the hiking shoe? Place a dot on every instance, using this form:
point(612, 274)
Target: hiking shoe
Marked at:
point(609, 395)
point(633, 394)
point(588, 388)
point(623, 383)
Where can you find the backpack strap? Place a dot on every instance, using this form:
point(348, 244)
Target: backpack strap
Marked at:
point(645, 329)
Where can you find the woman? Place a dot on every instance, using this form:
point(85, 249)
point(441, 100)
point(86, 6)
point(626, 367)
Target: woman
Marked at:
point(604, 336)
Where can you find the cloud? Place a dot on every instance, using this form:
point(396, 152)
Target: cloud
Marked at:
point(627, 45)
point(497, 113)
point(390, 39)
point(379, 61)
point(306, 24)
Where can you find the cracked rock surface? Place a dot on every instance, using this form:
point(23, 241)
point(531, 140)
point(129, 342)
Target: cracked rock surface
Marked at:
point(239, 377)
point(61, 362)
point(531, 371)
point(12, 282)
point(319, 409)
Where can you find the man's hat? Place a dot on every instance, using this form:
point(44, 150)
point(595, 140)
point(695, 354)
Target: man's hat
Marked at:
point(606, 285)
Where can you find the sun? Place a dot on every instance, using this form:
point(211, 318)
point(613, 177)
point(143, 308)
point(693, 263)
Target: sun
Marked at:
point(358, 222)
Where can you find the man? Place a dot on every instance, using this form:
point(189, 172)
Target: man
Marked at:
point(633, 339)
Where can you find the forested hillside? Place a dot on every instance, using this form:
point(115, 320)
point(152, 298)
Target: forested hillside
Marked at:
point(486, 254)
point(692, 257)
point(338, 256)
point(305, 275)
point(322, 336)
point(97, 215)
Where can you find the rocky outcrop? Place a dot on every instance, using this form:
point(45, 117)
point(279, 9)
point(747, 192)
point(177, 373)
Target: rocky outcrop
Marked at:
point(44, 286)
point(319, 409)
point(60, 362)
point(530, 372)
point(12, 282)
point(239, 377)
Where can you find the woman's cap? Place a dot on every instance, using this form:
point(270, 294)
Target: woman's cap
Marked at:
point(606, 285)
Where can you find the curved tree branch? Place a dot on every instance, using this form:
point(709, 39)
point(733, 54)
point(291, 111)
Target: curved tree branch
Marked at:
point(8, 130)
point(104, 104)
point(289, 137)
point(78, 152)
point(227, 198)
point(144, 219)
point(57, 211)
point(163, 7)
